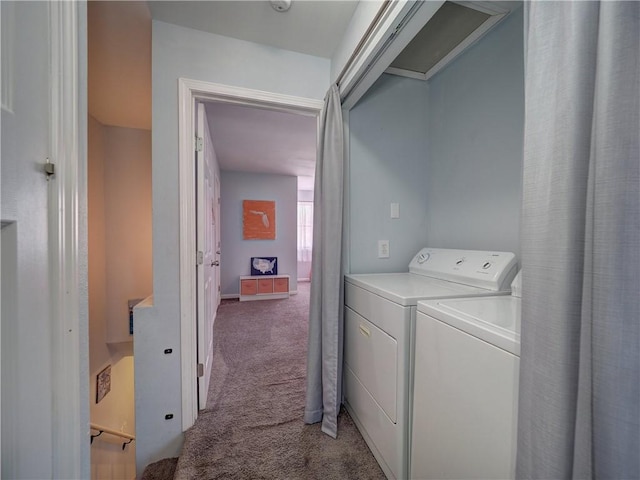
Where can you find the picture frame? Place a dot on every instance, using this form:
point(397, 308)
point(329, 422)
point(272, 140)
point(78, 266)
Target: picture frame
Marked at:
point(264, 266)
point(258, 220)
point(103, 383)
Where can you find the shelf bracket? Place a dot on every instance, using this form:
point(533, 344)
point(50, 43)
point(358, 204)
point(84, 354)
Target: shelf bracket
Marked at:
point(100, 432)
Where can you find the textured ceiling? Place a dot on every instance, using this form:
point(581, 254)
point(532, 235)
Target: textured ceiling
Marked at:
point(246, 139)
point(119, 47)
point(262, 141)
point(311, 27)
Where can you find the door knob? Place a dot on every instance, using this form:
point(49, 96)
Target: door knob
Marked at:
point(215, 263)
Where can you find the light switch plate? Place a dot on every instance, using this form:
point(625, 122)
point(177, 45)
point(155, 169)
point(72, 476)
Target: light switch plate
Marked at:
point(395, 210)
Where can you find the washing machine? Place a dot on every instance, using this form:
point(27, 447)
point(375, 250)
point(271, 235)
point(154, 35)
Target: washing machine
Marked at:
point(465, 399)
point(380, 314)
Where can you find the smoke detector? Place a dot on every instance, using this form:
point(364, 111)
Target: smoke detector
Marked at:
point(280, 5)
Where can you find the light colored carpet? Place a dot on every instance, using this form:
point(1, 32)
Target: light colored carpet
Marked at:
point(163, 469)
point(252, 427)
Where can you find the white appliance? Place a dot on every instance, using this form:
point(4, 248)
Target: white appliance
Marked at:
point(466, 387)
point(380, 312)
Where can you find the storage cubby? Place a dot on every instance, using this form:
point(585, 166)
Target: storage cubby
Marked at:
point(264, 287)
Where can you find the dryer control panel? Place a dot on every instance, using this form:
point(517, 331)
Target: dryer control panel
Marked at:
point(483, 269)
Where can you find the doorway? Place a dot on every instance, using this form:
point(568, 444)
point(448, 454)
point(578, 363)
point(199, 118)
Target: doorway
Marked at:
point(191, 92)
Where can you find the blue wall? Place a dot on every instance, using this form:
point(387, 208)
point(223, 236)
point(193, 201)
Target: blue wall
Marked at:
point(182, 52)
point(449, 151)
point(388, 164)
point(475, 129)
point(236, 252)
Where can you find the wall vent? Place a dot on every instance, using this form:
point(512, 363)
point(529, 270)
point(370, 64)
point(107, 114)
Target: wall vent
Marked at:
point(454, 27)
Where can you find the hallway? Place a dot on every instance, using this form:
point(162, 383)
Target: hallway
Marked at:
point(252, 426)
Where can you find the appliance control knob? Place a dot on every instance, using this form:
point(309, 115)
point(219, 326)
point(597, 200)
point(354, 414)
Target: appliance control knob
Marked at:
point(486, 265)
point(460, 261)
point(423, 257)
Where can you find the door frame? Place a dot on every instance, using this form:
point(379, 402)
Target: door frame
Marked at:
point(67, 240)
point(190, 91)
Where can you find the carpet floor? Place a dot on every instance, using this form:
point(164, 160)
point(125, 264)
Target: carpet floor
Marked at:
point(252, 427)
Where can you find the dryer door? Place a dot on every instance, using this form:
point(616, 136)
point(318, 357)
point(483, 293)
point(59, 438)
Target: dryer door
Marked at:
point(372, 356)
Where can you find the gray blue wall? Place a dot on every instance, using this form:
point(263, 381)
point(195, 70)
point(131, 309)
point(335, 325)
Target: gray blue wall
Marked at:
point(448, 150)
point(474, 148)
point(388, 164)
point(236, 252)
point(182, 52)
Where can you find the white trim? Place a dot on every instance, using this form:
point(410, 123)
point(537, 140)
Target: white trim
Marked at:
point(188, 92)
point(264, 297)
point(402, 21)
point(397, 27)
point(255, 98)
point(346, 206)
point(383, 30)
point(230, 296)
point(236, 296)
point(188, 307)
point(497, 12)
point(488, 7)
point(401, 72)
point(7, 36)
point(67, 429)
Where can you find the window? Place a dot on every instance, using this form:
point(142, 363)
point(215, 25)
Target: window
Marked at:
point(305, 231)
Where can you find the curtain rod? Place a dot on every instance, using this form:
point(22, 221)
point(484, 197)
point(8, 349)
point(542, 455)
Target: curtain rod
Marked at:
point(364, 38)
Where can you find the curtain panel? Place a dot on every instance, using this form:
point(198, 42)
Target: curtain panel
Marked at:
point(324, 356)
point(579, 410)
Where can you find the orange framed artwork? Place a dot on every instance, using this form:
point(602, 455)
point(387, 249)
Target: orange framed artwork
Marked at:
point(258, 220)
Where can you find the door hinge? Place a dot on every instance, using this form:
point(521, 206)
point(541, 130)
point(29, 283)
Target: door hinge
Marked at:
point(199, 143)
point(49, 168)
point(200, 257)
point(200, 370)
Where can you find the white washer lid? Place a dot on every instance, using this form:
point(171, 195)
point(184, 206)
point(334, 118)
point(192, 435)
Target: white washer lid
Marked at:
point(495, 320)
point(407, 288)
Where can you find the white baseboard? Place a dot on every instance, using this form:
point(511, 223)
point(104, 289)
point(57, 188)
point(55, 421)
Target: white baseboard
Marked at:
point(234, 296)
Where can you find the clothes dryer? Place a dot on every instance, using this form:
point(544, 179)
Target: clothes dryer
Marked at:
point(380, 313)
point(466, 387)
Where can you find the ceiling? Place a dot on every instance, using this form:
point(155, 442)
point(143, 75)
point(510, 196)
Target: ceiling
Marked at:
point(263, 141)
point(119, 73)
point(246, 139)
point(311, 27)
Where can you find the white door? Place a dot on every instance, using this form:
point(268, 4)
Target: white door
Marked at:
point(41, 363)
point(217, 234)
point(206, 209)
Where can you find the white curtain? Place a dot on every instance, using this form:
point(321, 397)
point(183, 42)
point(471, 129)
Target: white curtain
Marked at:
point(579, 412)
point(305, 231)
point(324, 357)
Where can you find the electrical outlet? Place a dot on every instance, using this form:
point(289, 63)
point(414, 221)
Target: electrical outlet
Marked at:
point(383, 248)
